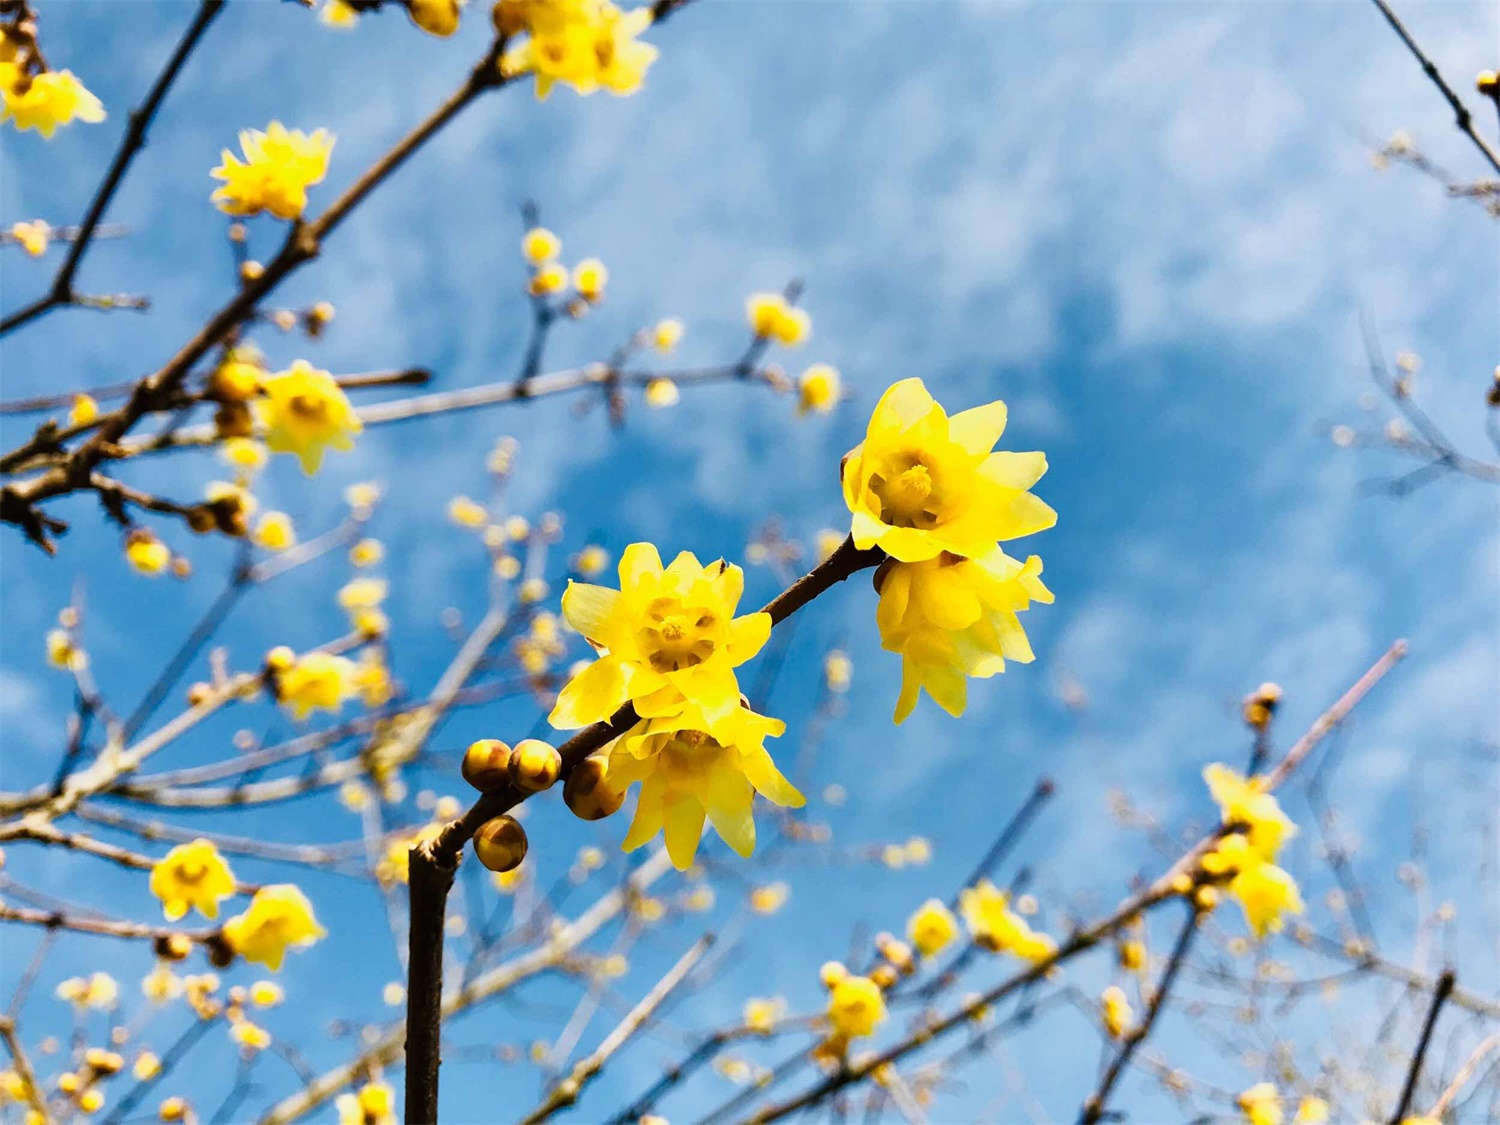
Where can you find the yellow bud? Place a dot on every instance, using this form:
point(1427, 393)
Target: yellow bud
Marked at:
point(500, 843)
point(588, 793)
point(534, 765)
point(436, 17)
point(539, 245)
point(486, 764)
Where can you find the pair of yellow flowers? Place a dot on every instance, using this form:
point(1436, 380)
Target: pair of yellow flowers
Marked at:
point(924, 488)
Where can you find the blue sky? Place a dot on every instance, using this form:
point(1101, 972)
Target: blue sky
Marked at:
point(1151, 228)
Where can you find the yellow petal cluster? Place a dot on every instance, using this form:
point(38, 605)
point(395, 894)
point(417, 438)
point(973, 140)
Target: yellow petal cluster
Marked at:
point(667, 635)
point(191, 875)
point(692, 769)
point(46, 100)
point(278, 167)
point(374, 1104)
point(773, 317)
point(1261, 1104)
point(305, 411)
point(278, 918)
point(586, 44)
point(996, 927)
point(1245, 802)
point(1246, 857)
point(856, 1006)
point(932, 927)
point(316, 680)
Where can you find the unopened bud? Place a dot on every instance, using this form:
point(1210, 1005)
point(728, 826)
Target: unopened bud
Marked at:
point(500, 843)
point(486, 764)
point(588, 793)
point(534, 765)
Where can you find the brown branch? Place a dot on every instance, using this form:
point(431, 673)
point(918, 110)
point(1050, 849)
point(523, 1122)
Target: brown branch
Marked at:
point(1414, 1071)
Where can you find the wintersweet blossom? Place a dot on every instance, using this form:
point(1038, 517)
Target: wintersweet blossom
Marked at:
point(45, 101)
point(374, 1104)
point(315, 680)
point(688, 774)
point(856, 1006)
point(191, 875)
point(996, 927)
point(932, 927)
point(305, 411)
point(279, 917)
point(952, 617)
point(1265, 892)
point(773, 317)
point(279, 165)
point(1245, 802)
point(923, 483)
point(586, 44)
point(1261, 1104)
point(667, 635)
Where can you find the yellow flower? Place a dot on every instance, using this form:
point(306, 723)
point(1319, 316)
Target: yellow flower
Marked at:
point(372, 679)
point(62, 652)
point(662, 392)
point(586, 44)
point(931, 927)
point(1116, 1013)
point(856, 1006)
point(83, 411)
point(952, 617)
point(367, 552)
point(336, 13)
point(98, 991)
point(47, 100)
point(548, 280)
point(304, 410)
point(244, 453)
point(266, 994)
point(374, 1104)
point(279, 916)
point(191, 875)
point(665, 335)
point(239, 376)
point(665, 636)
point(820, 389)
point(771, 317)
point(249, 1035)
point(769, 897)
point(922, 483)
point(996, 927)
point(838, 671)
point(1245, 802)
point(591, 561)
point(362, 593)
point(315, 680)
point(466, 512)
point(589, 278)
point(688, 774)
point(1261, 1104)
point(539, 246)
point(1314, 1111)
point(1264, 891)
point(146, 552)
point(436, 17)
point(33, 236)
point(279, 166)
point(146, 1066)
point(761, 1014)
point(274, 531)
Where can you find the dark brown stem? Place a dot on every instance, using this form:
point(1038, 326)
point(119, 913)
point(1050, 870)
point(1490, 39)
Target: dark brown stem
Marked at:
point(1414, 1072)
point(431, 878)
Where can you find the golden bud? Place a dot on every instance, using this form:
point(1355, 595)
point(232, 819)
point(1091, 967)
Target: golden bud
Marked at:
point(884, 976)
point(1488, 83)
point(534, 765)
point(232, 419)
point(486, 764)
point(201, 519)
point(436, 17)
point(173, 947)
point(500, 843)
point(587, 792)
point(509, 16)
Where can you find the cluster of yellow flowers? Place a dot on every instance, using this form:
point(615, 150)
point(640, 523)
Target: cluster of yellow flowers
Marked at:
point(541, 248)
point(1261, 1104)
point(33, 97)
point(856, 1006)
point(668, 642)
point(279, 165)
point(995, 926)
point(304, 411)
point(373, 1104)
point(1246, 856)
point(927, 490)
point(587, 44)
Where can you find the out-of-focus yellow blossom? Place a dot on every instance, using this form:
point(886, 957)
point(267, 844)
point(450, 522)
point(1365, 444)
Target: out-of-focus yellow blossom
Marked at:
point(550, 278)
point(244, 453)
point(91, 1101)
point(279, 166)
point(761, 1013)
point(266, 994)
point(586, 44)
point(372, 679)
point(363, 593)
point(667, 635)
point(539, 245)
point(769, 897)
point(436, 17)
point(508, 567)
point(820, 389)
point(279, 917)
point(951, 618)
point(274, 531)
point(838, 671)
point(922, 483)
point(772, 318)
point(1261, 1104)
point(517, 527)
point(33, 237)
point(532, 591)
point(305, 411)
point(1116, 1012)
point(238, 376)
point(1245, 802)
point(1313, 1110)
point(362, 497)
point(394, 866)
point(98, 991)
point(591, 561)
point(62, 652)
point(665, 335)
point(315, 680)
point(146, 552)
point(394, 993)
point(931, 927)
point(173, 1109)
point(249, 1035)
point(688, 774)
point(996, 927)
point(856, 1006)
point(589, 279)
point(828, 541)
point(45, 101)
point(1264, 891)
point(161, 984)
point(466, 512)
point(146, 1066)
point(374, 1104)
point(918, 850)
point(336, 13)
point(191, 875)
point(83, 411)
point(1421, 1119)
point(367, 552)
point(661, 393)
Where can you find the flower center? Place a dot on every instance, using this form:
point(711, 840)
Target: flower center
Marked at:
point(308, 407)
point(676, 636)
point(909, 497)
